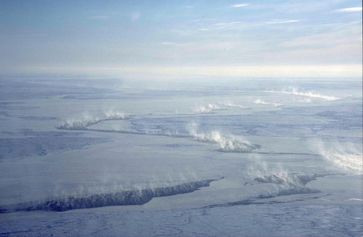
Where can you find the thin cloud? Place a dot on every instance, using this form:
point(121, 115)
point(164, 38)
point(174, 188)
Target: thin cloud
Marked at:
point(227, 24)
point(274, 22)
point(350, 9)
point(239, 5)
point(99, 17)
point(135, 16)
point(188, 6)
point(170, 43)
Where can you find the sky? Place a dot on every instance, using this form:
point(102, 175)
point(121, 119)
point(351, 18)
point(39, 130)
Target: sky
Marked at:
point(182, 38)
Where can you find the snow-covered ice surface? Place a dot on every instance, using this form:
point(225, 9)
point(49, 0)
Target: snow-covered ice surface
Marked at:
point(116, 158)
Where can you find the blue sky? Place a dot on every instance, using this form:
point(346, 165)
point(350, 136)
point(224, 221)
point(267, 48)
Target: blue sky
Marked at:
point(133, 38)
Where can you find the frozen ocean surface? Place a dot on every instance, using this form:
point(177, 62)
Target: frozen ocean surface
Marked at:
point(238, 158)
